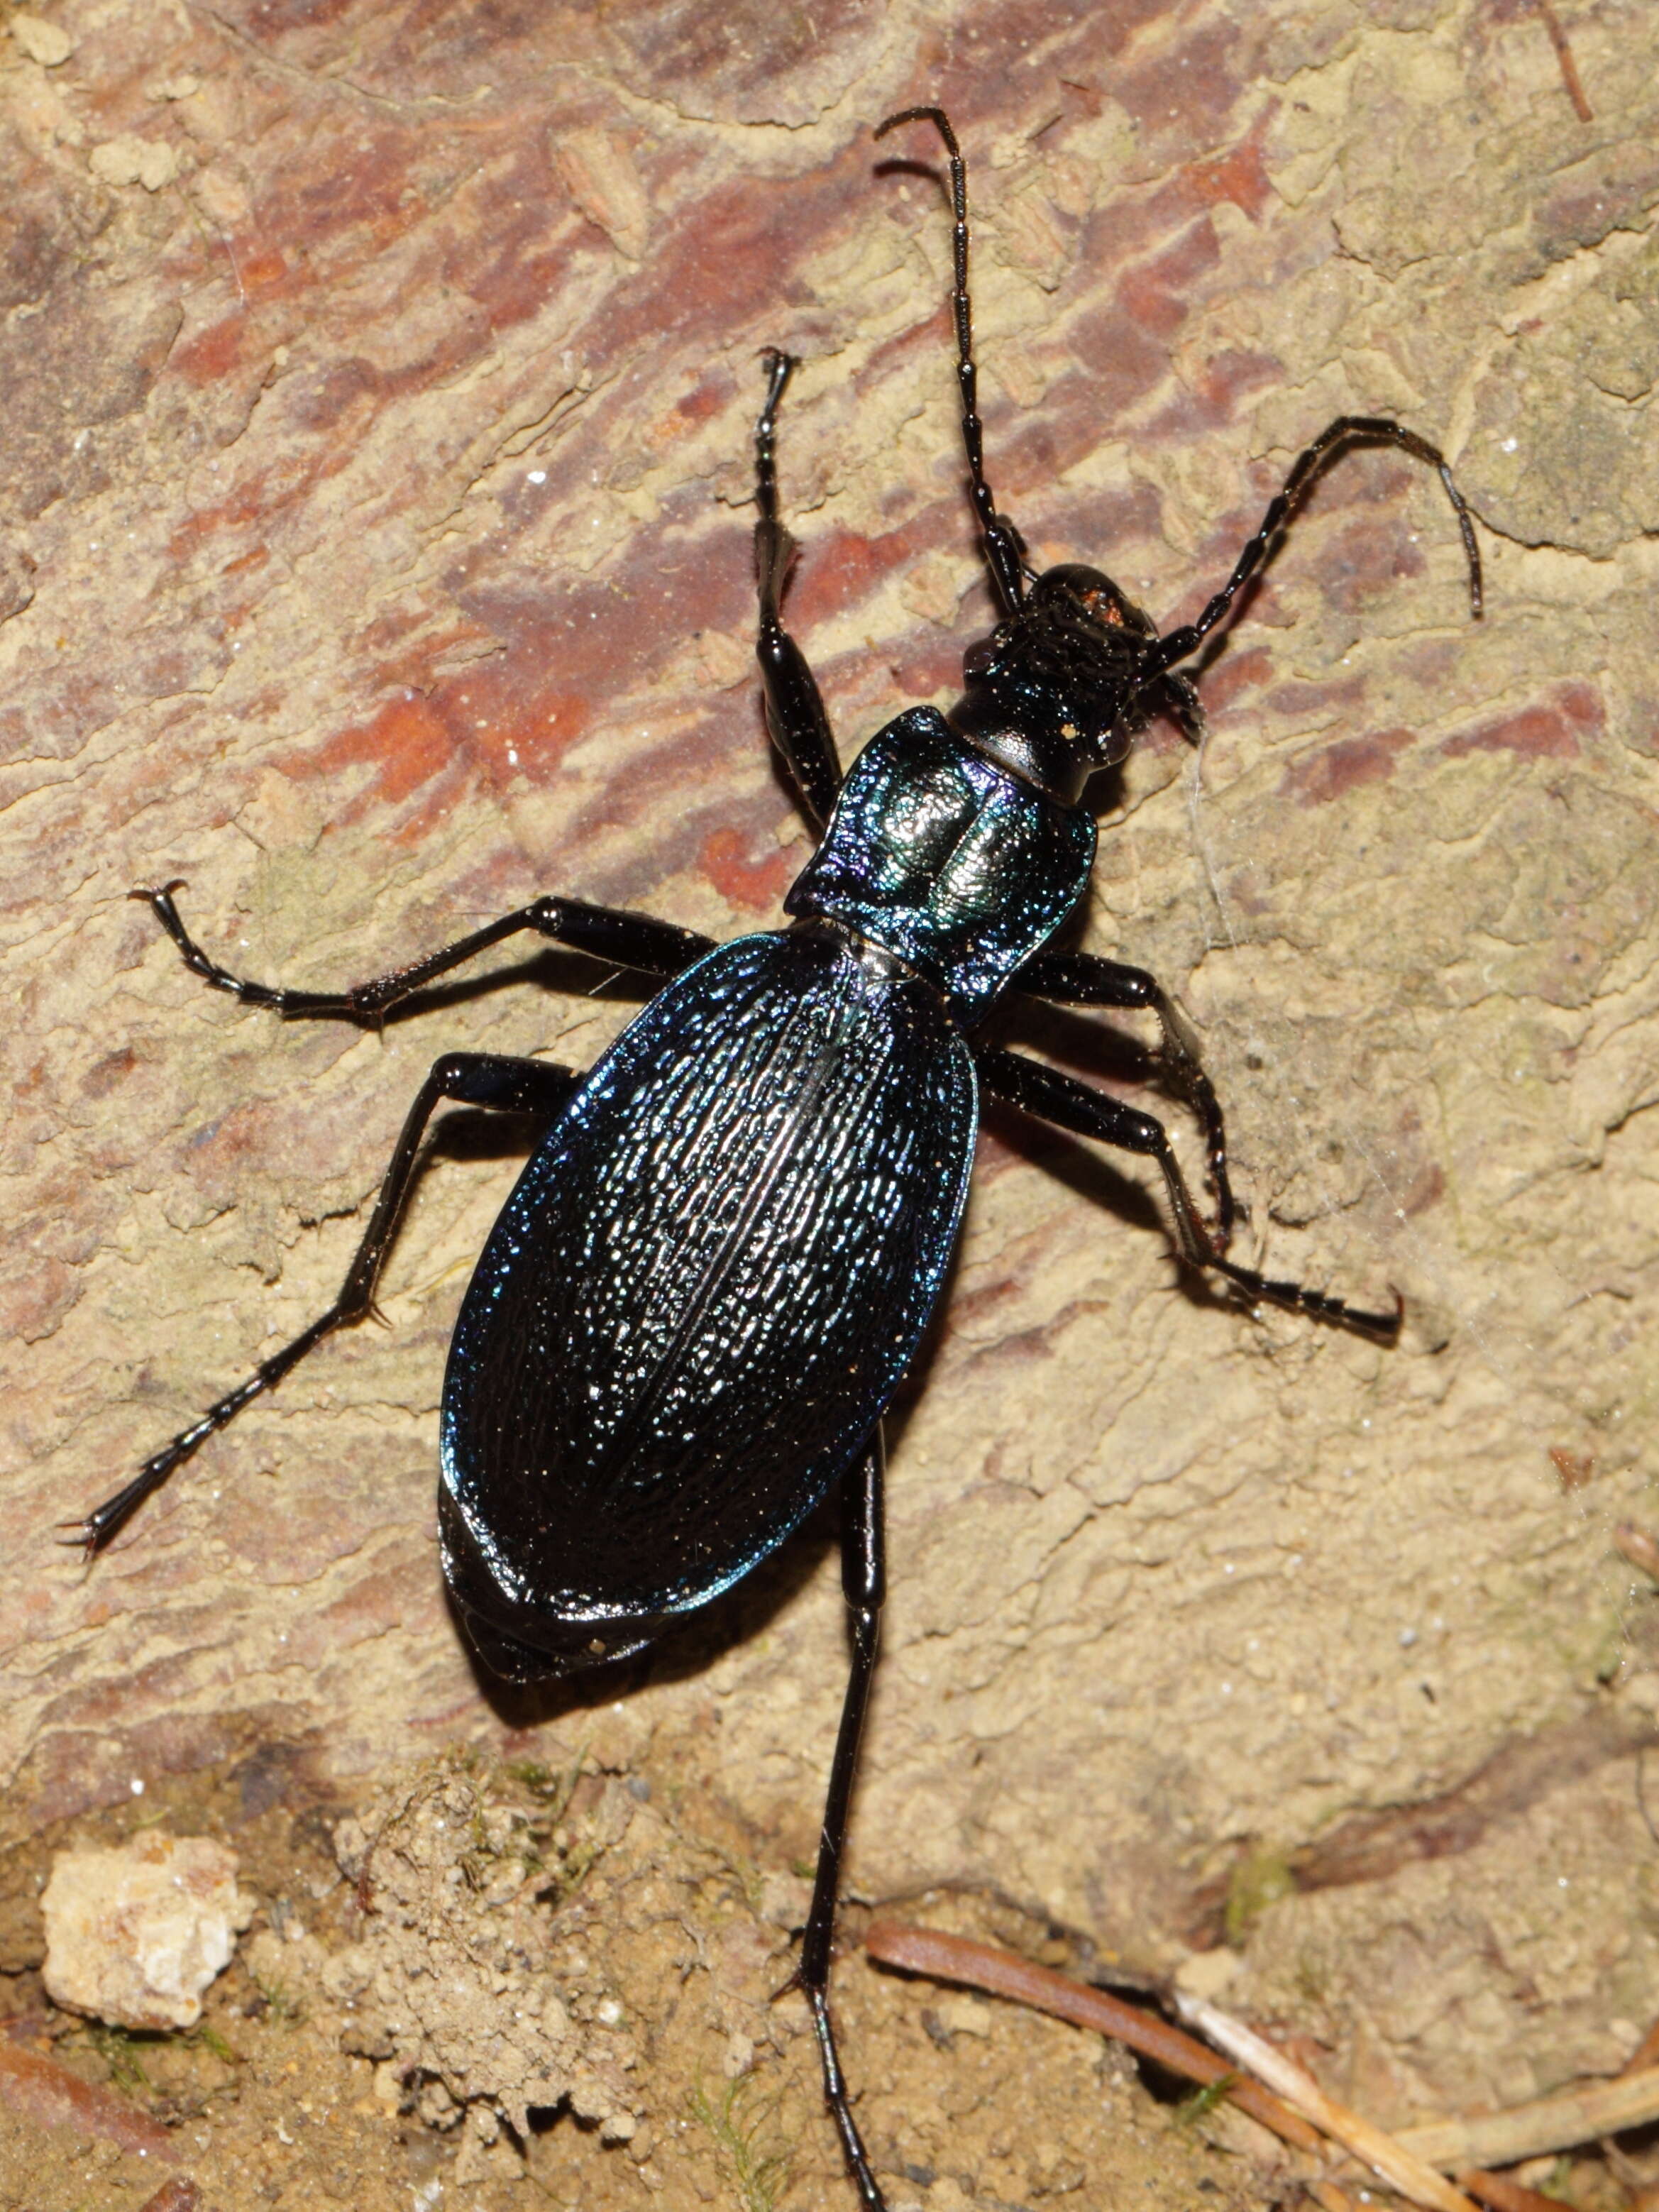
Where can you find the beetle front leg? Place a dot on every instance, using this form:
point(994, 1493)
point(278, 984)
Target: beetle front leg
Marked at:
point(863, 1575)
point(473, 1078)
point(794, 706)
point(630, 941)
point(1085, 979)
point(1069, 1104)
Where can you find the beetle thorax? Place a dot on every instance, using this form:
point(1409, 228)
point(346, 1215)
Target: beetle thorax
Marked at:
point(939, 855)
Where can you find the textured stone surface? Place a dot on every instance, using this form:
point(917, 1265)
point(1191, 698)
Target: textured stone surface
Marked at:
point(378, 383)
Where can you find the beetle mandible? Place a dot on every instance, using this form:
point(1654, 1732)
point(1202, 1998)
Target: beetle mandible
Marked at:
point(721, 1257)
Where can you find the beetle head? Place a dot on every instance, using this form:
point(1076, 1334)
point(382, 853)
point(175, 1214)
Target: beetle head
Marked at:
point(1055, 688)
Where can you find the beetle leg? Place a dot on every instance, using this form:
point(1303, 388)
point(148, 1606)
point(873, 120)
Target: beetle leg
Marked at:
point(475, 1078)
point(1069, 1104)
point(794, 706)
point(629, 940)
point(863, 1575)
point(1083, 979)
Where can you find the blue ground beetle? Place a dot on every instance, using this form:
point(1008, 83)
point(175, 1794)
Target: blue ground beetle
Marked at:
point(721, 1259)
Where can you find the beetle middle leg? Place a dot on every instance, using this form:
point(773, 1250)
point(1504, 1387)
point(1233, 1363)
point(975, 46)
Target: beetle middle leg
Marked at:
point(863, 1577)
point(1085, 979)
point(472, 1079)
point(629, 940)
point(1051, 1097)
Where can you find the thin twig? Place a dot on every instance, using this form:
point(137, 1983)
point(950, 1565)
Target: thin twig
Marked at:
point(1327, 2195)
point(1570, 78)
point(1570, 2116)
point(1652, 2057)
point(179, 2195)
point(1405, 2160)
point(35, 2084)
point(1503, 2194)
point(945, 1958)
point(1385, 2154)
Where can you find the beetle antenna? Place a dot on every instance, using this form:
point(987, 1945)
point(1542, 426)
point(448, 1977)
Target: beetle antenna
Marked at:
point(1339, 437)
point(1004, 547)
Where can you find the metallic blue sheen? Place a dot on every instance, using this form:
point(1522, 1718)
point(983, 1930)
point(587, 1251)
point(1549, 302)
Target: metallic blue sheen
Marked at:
point(701, 1294)
point(958, 868)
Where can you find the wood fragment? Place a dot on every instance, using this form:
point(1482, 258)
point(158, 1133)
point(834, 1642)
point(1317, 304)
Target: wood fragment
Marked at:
point(1548, 2123)
point(46, 2092)
point(179, 2195)
point(1645, 2054)
point(1574, 1468)
point(1002, 1973)
point(1386, 2155)
point(1638, 1547)
point(1503, 2194)
point(1328, 2196)
point(1570, 78)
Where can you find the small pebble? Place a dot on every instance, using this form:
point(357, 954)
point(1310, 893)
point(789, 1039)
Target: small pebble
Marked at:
point(135, 1934)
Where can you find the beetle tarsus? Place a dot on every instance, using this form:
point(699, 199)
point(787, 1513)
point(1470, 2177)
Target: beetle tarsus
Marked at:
point(852, 2142)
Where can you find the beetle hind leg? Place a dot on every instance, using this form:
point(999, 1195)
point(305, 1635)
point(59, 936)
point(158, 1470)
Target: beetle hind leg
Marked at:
point(863, 1573)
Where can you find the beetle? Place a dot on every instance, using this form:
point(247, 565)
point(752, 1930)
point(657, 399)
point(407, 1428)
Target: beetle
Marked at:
point(725, 1250)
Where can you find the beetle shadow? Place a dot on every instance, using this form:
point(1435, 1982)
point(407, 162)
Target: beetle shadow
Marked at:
point(1068, 1160)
